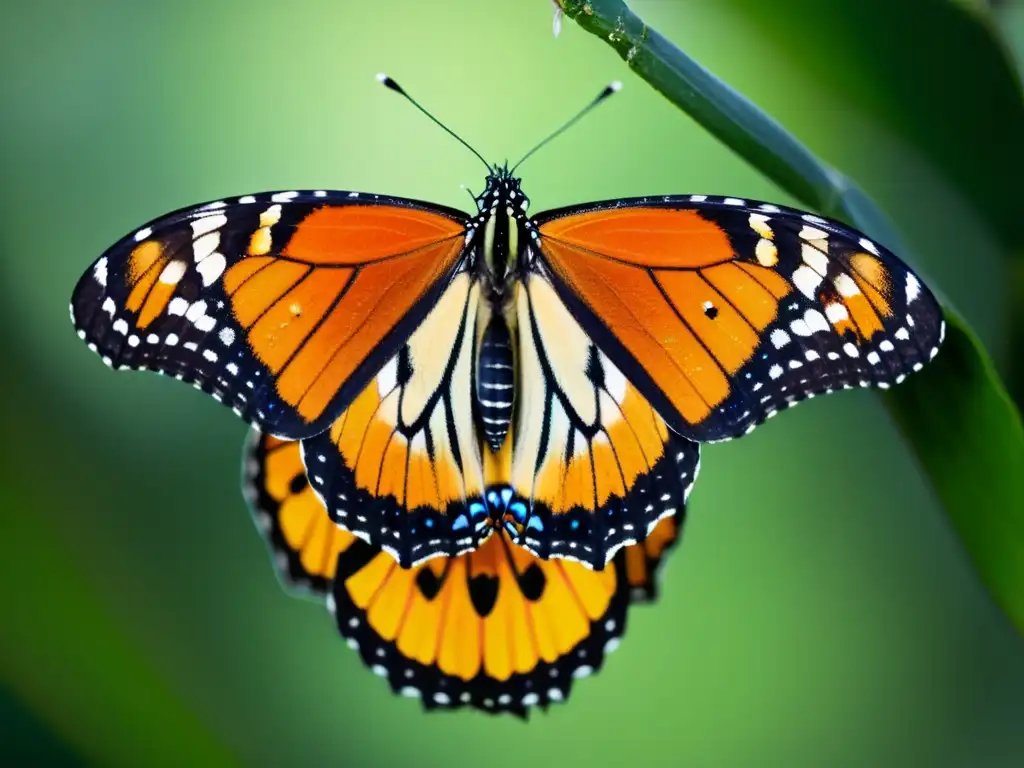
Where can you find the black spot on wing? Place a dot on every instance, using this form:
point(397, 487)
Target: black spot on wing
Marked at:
point(483, 593)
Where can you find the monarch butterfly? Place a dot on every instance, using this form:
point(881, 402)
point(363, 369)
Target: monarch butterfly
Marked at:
point(496, 629)
point(449, 374)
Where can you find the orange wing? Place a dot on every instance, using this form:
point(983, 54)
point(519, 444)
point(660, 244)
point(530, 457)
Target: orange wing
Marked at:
point(281, 305)
point(496, 629)
point(721, 311)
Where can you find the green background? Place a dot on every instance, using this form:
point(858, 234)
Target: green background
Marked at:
point(820, 610)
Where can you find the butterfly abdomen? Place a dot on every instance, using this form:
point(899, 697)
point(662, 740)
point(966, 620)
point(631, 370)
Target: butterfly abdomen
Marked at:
point(495, 382)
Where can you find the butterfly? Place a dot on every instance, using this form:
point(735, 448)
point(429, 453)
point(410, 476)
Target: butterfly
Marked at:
point(496, 629)
point(451, 374)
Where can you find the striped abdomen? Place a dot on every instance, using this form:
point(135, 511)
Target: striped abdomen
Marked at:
point(495, 382)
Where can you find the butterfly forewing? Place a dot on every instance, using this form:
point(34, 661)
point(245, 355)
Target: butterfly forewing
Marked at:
point(496, 629)
point(722, 311)
point(282, 305)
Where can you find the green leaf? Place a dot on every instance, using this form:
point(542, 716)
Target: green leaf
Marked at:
point(973, 451)
point(958, 418)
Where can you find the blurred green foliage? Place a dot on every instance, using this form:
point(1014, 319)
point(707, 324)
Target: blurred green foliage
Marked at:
point(819, 610)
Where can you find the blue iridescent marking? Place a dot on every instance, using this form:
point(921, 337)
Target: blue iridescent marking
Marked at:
point(460, 522)
point(574, 524)
point(429, 523)
point(518, 510)
point(536, 523)
point(511, 530)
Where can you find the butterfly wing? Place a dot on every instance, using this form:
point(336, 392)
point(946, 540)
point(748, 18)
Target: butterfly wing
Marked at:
point(594, 466)
point(495, 629)
point(281, 305)
point(722, 311)
point(643, 562)
point(401, 467)
point(304, 542)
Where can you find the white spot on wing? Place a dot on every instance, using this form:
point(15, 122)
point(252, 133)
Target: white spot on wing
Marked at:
point(867, 245)
point(195, 311)
point(815, 259)
point(845, 285)
point(779, 338)
point(913, 287)
point(205, 245)
point(806, 280)
point(800, 328)
point(836, 312)
point(173, 272)
point(211, 268)
point(815, 320)
point(100, 272)
point(206, 224)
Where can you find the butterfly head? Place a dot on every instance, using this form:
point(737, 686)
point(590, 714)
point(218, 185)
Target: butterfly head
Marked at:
point(502, 190)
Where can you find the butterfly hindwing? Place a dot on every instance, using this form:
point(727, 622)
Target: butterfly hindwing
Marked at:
point(401, 467)
point(642, 563)
point(303, 540)
point(594, 466)
point(722, 311)
point(496, 629)
point(281, 305)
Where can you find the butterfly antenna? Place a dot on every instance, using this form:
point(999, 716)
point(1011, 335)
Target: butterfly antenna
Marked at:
point(388, 82)
point(611, 88)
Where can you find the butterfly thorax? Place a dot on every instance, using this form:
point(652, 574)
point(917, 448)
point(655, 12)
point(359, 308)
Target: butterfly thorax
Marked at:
point(501, 225)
